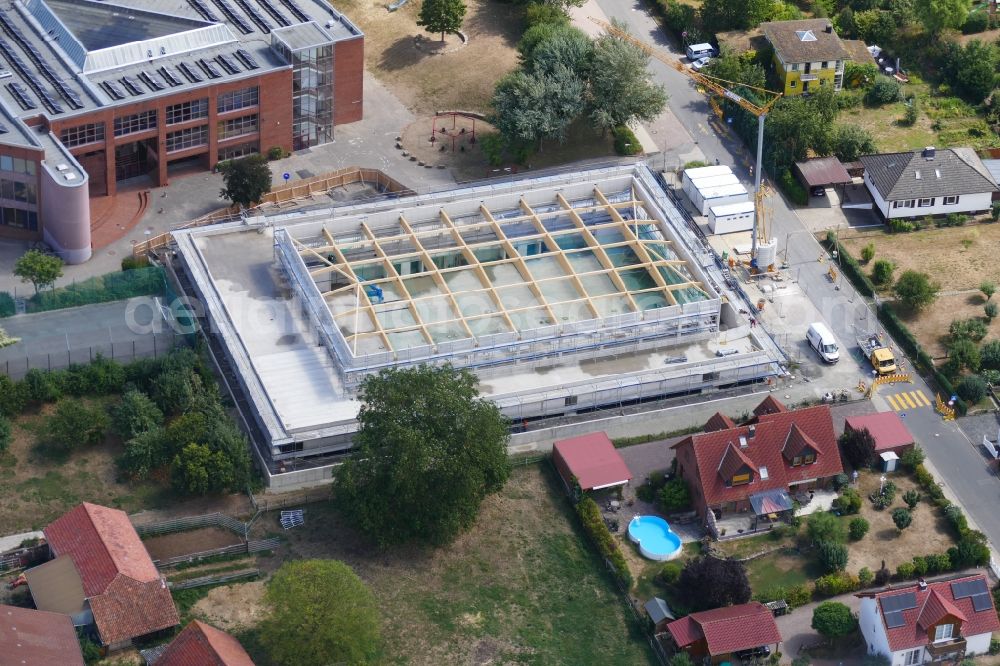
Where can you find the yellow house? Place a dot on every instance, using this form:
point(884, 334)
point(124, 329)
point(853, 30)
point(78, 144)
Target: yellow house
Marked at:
point(808, 54)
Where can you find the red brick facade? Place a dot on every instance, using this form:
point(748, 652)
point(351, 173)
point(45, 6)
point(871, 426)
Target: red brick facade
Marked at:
point(348, 80)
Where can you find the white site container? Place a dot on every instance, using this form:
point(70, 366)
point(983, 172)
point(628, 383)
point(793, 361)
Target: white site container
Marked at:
point(730, 218)
point(698, 173)
point(704, 199)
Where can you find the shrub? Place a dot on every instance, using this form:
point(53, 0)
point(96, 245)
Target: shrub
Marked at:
point(971, 388)
point(670, 572)
point(912, 457)
point(7, 307)
point(969, 553)
point(135, 414)
point(537, 13)
point(865, 577)
point(976, 22)
point(989, 355)
point(995, 646)
point(593, 524)
point(72, 423)
point(275, 153)
point(840, 481)
point(991, 377)
point(41, 386)
point(131, 263)
point(868, 252)
point(967, 329)
point(902, 518)
point(885, 90)
point(823, 527)
point(988, 289)
point(919, 565)
point(848, 503)
point(645, 493)
point(833, 620)
point(995, 211)
point(792, 188)
point(916, 290)
point(675, 495)
point(6, 434)
point(990, 311)
point(900, 226)
point(626, 142)
point(101, 289)
point(882, 272)
point(962, 354)
point(837, 583)
point(911, 498)
point(912, 112)
point(904, 571)
point(858, 528)
point(832, 556)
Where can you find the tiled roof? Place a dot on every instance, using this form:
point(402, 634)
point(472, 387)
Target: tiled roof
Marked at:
point(593, 460)
point(204, 645)
point(951, 172)
point(719, 421)
point(764, 450)
point(935, 609)
point(858, 51)
point(733, 460)
point(37, 638)
point(103, 543)
point(797, 442)
point(126, 593)
point(769, 405)
point(728, 629)
point(886, 428)
point(804, 41)
point(912, 632)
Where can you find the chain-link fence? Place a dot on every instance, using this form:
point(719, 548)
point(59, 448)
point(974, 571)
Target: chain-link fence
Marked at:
point(152, 345)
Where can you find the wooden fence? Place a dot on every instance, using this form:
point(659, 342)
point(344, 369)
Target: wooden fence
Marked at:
point(213, 580)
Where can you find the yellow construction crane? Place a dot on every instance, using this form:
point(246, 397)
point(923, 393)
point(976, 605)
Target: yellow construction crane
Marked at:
point(723, 88)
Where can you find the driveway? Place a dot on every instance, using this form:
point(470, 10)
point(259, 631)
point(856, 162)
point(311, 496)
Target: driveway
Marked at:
point(797, 632)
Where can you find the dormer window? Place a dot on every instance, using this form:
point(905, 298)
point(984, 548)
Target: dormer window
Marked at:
point(809, 458)
point(796, 461)
point(740, 479)
point(944, 632)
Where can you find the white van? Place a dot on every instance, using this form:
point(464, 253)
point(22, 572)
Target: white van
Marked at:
point(821, 339)
point(699, 51)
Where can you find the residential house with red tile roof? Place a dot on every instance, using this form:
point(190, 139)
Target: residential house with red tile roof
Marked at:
point(203, 645)
point(757, 467)
point(36, 638)
point(930, 622)
point(726, 634)
point(101, 575)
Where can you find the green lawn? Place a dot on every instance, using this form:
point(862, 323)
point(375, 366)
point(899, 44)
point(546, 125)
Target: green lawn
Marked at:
point(778, 569)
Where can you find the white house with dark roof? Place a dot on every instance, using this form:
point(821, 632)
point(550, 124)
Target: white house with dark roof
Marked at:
point(924, 623)
point(928, 182)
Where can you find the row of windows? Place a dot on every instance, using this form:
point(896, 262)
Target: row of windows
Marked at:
point(924, 203)
point(19, 219)
point(17, 191)
point(239, 150)
point(17, 165)
point(826, 64)
point(237, 126)
point(81, 134)
point(238, 99)
point(185, 111)
point(137, 122)
point(187, 138)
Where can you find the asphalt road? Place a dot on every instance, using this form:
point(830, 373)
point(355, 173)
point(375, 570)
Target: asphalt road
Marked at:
point(958, 463)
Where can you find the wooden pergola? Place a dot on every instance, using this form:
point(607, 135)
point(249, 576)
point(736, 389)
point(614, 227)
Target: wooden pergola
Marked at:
point(360, 265)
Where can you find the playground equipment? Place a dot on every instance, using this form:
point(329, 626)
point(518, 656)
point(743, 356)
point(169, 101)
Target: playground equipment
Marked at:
point(455, 134)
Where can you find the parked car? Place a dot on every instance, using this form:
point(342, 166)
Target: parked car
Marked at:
point(818, 191)
point(700, 62)
point(761, 652)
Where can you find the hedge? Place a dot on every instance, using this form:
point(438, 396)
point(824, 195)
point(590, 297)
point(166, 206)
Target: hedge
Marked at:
point(101, 289)
point(593, 523)
point(7, 307)
point(849, 265)
point(626, 142)
point(792, 188)
point(794, 596)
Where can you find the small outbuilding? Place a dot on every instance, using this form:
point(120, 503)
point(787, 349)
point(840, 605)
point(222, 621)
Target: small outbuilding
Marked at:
point(591, 460)
point(821, 172)
point(887, 429)
point(659, 612)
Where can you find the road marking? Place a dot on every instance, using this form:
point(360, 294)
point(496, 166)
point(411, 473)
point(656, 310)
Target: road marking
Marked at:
point(909, 400)
point(923, 398)
point(892, 403)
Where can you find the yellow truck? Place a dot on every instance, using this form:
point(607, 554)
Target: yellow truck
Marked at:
point(877, 353)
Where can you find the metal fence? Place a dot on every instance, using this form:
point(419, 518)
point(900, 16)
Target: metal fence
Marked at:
point(192, 523)
point(149, 346)
point(213, 580)
point(246, 547)
point(265, 503)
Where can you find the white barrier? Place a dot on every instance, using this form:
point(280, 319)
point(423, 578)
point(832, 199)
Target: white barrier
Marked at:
point(991, 447)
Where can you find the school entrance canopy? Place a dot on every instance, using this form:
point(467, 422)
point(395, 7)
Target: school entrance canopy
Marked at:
point(592, 460)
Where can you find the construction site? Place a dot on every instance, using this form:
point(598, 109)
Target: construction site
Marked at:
point(564, 295)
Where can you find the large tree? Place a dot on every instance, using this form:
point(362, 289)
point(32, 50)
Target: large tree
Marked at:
point(708, 582)
point(620, 87)
point(442, 16)
point(38, 268)
point(428, 452)
point(533, 106)
point(974, 69)
point(833, 620)
point(568, 47)
point(320, 613)
point(246, 179)
point(915, 290)
point(849, 142)
point(722, 15)
point(858, 447)
point(936, 15)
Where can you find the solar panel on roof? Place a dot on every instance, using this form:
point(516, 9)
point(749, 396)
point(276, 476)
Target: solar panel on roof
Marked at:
point(981, 602)
point(132, 86)
point(114, 89)
point(203, 9)
point(228, 63)
point(170, 77)
point(968, 588)
point(193, 74)
point(210, 68)
point(43, 66)
point(21, 95)
point(273, 11)
point(231, 14)
point(899, 602)
point(294, 8)
point(152, 80)
point(894, 619)
point(255, 16)
point(247, 59)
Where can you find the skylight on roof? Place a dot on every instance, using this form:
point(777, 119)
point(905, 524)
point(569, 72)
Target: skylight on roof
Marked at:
point(763, 474)
point(805, 35)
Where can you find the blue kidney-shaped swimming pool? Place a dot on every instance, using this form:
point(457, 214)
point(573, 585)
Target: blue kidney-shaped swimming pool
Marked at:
point(655, 539)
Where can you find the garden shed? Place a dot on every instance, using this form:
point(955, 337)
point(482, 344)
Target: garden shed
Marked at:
point(591, 460)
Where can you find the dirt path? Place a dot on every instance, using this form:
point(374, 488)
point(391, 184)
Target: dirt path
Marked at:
point(189, 542)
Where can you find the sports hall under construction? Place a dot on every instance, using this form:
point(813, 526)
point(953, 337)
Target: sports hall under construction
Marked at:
point(564, 294)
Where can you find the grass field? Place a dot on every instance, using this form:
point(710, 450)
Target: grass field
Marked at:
point(522, 586)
